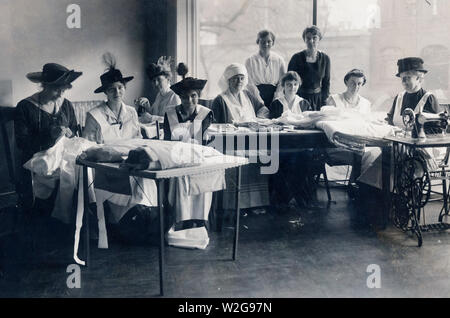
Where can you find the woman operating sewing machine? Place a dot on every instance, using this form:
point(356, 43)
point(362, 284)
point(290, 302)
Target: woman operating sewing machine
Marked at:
point(411, 71)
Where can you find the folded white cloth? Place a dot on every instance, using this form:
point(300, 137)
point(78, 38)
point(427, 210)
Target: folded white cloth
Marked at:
point(190, 238)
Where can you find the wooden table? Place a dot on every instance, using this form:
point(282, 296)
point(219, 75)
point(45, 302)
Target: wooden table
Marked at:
point(160, 176)
point(295, 140)
point(412, 186)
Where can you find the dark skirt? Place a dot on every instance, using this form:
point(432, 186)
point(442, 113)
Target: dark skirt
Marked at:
point(267, 92)
point(294, 179)
point(314, 99)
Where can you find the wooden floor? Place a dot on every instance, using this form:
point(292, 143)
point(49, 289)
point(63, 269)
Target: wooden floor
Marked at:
point(322, 252)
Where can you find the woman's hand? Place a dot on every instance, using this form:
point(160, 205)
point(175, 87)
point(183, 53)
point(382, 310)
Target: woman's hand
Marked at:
point(59, 131)
point(142, 102)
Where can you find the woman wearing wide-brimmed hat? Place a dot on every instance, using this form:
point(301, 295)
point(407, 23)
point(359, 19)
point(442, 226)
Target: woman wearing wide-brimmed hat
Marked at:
point(187, 123)
point(159, 74)
point(112, 119)
point(42, 118)
point(179, 122)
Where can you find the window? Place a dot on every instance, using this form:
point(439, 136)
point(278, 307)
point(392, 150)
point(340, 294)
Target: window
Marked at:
point(367, 34)
point(228, 31)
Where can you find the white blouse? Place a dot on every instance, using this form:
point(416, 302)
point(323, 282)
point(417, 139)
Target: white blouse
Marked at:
point(260, 72)
point(363, 106)
point(162, 102)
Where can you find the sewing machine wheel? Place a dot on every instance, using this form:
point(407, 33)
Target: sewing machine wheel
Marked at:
point(414, 180)
point(408, 118)
point(401, 211)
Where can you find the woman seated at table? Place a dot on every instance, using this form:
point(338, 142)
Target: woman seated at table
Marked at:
point(187, 123)
point(292, 179)
point(40, 120)
point(180, 121)
point(265, 69)
point(411, 71)
point(159, 74)
point(236, 104)
point(350, 99)
point(112, 119)
point(289, 102)
point(340, 159)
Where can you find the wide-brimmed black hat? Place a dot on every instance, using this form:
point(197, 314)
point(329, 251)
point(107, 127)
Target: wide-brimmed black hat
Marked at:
point(410, 64)
point(187, 84)
point(55, 74)
point(112, 76)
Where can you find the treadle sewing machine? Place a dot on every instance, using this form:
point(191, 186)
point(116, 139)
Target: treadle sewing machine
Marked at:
point(413, 169)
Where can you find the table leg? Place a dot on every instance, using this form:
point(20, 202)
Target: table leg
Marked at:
point(236, 228)
point(86, 215)
point(386, 183)
point(160, 191)
point(444, 210)
point(415, 213)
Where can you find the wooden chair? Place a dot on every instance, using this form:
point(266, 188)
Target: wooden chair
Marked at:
point(9, 203)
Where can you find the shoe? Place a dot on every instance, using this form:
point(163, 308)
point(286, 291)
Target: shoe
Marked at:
point(258, 211)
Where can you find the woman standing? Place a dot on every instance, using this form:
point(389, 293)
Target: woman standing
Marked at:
point(112, 119)
point(313, 66)
point(265, 69)
point(40, 120)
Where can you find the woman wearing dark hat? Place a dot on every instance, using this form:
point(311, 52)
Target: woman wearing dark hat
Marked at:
point(41, 119)
point(411, 72)
point(180, 121)
point(159, 74)
point(112, 119)
point(313, 66)
point(187, 123)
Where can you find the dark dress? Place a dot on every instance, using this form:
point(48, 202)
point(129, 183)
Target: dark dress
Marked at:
point(276, 108)
point(222, 114)
point(35, 131)
point(411, 100)
point(315, 77)
point(292, 179)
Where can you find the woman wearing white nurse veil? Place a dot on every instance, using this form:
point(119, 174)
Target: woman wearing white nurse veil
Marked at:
point(236, 104)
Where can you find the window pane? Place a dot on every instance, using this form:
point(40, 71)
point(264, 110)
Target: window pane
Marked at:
point(228, 30)
point(374, 34)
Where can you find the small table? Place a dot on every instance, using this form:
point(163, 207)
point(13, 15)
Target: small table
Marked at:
point(160, 176)
point(412, 184)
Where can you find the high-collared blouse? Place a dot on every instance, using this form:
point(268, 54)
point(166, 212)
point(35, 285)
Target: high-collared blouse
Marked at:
point(102, 125)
